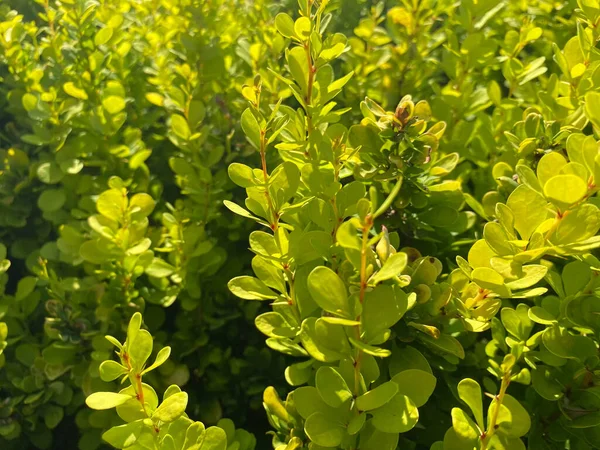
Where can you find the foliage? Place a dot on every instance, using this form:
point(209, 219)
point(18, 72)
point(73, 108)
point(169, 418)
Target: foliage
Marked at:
point(420, 179)
point(109, 206)
point(151, 424)
point(380, 328)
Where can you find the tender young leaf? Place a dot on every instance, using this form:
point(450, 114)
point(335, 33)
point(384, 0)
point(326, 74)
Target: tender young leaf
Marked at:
point(111, 370)
point(106, 400)
point(394, 265)
point(171, 408)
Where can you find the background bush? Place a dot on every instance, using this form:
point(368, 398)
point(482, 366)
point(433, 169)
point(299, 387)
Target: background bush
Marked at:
point(421, 182)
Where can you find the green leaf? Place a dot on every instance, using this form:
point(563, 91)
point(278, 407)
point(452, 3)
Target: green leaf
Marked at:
point(490, 279)
point(52, 200)
point(251, 128)
point(74, 91)
point(373, 439)
point(141, 205)
point(285, 25)
point(565, 190)
point(416, 384)
point(113, 104)
point(329, 291)
point(469, 392)
point(241, 175)
point(546, 383)
point(112, 204)
point(25, 286)
point(323, 430)
point(53, 415)
point(214, 439)
point(250, 288)
point(50, 173)
point(140, 349)
point(161, 358)
point(399, 415)
point(592, 107)
point(346, 236)
point(179, 126)
point(296, 59)
point(529, 210)
point(171, 408)
point(445, 343)
point(531, 275)
point(565, 345)
point(124, 436)
point(527, 176)
point(332, 387)
point(513, 419)
point(302, 27)
point(464, 427)
point(29, 101)
point(370, 349)
point(356, 424)
point(106, 400)
point(103, 36)
point(377, 397)
point(383, 307)
point(111, 370)
point(273, 324)
point(393, 267)
point(159, 268)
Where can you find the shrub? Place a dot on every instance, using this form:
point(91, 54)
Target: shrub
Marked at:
point(420, 179)
point(382, 328)
point(117, 126)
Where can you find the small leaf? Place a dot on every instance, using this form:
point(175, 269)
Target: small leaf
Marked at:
point(565, 190)
point(332, 387)
point(377, 397)
point(250, 288)
point(161, 358)
point(370, 349)
point(416, 384)
point(113, 104)
point(394, 265)
point(124, 436)
point(180, 127)
point(469, 392)
point(171, 408)
point(111, 370)
point(324, 430)
point(329, 291)
point(74, 91)
point(251, 128)
point(241, 175)
point(399, 415)
point(106, 400)
point(285, 25)
point(103, 36)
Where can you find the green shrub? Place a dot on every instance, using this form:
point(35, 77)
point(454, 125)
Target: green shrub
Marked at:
point(117, 124)
point(381, 328)
point(420, 179)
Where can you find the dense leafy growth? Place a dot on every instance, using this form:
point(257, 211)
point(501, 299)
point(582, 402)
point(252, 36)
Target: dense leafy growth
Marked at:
point(402, 193)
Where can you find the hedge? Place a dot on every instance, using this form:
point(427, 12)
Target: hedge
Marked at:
point(374, 221)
